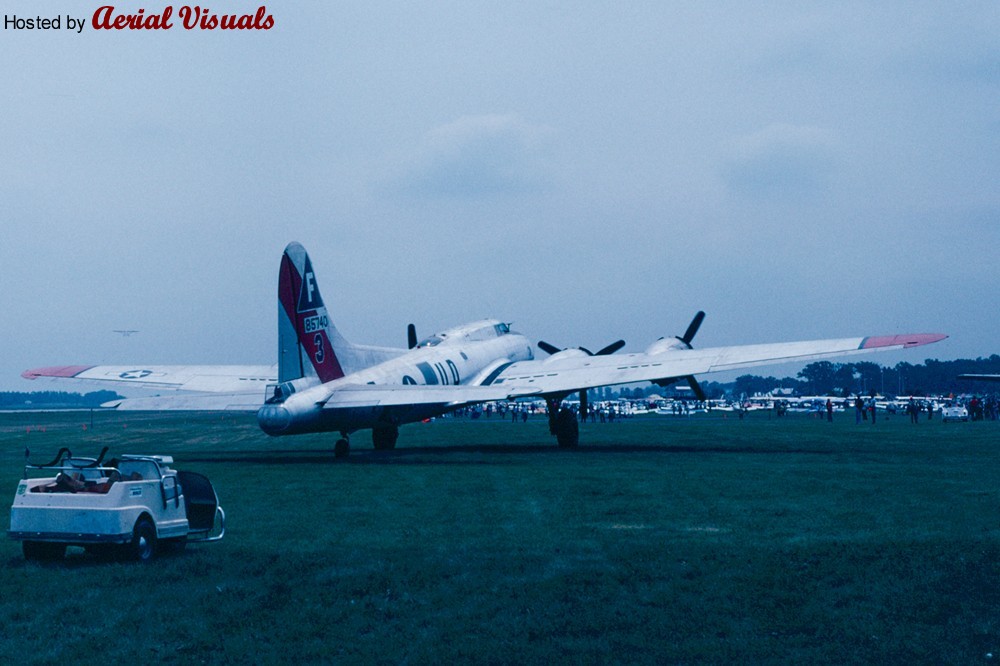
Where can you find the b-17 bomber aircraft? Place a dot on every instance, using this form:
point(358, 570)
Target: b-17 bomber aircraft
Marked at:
point(323, 383)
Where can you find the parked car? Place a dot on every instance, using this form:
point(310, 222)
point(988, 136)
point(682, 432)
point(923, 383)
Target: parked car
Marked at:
point(131, 506)
point(954, 413)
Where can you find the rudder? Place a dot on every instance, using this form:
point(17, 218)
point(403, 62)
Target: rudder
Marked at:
point(306, 337)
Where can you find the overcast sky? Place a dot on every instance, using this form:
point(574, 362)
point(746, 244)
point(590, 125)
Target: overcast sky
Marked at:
point(586, 170)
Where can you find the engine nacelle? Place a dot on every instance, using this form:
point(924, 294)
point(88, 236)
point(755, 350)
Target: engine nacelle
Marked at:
point(666, 344)
point(566, 353)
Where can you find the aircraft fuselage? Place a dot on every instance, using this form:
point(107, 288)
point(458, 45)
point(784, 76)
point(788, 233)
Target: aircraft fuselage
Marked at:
point(451, 360)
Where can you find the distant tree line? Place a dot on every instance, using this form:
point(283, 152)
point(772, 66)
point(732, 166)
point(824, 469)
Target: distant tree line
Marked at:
point(930, 377)
point(54, 399)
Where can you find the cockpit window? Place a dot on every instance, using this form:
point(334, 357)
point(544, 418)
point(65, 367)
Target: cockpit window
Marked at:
point(432, 341)
point(502, 329)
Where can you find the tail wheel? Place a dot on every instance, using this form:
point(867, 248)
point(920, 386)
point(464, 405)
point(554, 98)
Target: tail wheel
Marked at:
point(142, 548)
point(341, 448)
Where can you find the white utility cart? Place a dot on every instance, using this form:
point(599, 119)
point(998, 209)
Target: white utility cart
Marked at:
point(132, 506)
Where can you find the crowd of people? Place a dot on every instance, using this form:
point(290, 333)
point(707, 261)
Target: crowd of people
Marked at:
point(867, 409)
point(987, 408)
point(520, 412)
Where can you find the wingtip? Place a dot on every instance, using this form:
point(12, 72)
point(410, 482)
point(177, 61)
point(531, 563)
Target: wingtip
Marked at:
point(905, 341)
point(55, 371)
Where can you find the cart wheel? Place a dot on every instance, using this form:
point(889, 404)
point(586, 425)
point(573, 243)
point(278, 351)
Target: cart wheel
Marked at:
point(143, 545)
point(42, 551)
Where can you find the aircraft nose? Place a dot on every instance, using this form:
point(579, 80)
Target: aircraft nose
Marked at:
point(273, 419)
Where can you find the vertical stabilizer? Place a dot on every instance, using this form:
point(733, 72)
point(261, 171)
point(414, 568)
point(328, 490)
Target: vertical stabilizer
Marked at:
point(307, 339)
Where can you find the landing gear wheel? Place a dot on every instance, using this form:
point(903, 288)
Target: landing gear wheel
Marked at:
point(142, 548)
point(341, 448)
point(42, 551)
point(567, 429)
point(384, 437)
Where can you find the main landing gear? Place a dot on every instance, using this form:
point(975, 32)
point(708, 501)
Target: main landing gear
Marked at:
point(562, 424)
point(384, 437)
point(342, 447)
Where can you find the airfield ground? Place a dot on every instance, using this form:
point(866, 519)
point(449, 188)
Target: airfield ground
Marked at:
point(660, 540)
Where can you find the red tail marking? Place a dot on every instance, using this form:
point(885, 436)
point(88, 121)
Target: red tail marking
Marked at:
point(316, 343)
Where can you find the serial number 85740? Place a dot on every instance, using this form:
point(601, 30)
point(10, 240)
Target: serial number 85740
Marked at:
point(317, 323)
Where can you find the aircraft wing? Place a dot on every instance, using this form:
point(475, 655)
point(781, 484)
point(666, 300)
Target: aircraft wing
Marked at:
point(243, 387)
point(981, 378)
point(395, 395)
point(200, 378)
point(192, 402)
point(341, 397)
point(563, 375)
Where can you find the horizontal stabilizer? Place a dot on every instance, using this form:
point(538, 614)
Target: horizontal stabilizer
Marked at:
point(200, 378)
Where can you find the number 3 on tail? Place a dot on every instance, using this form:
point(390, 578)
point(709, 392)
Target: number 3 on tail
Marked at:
point(318, 354)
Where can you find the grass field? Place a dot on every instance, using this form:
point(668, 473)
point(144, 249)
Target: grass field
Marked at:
point(660, 540)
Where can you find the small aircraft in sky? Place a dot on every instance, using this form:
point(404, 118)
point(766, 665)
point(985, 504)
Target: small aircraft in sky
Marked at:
point(323, 383)
point(125, 332)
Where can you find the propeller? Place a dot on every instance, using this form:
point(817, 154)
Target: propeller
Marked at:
point(603, 351)
point(692, 328)
point(688, 336)
point(610, 349)
point(696, 387)
point(411, 335)
point(546, 347)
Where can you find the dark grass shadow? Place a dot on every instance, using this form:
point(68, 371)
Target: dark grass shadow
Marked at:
point(77, 558)
point(453, 455)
